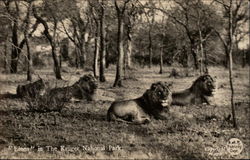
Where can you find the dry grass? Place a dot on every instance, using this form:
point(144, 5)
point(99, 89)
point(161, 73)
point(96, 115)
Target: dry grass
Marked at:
point(187, 133)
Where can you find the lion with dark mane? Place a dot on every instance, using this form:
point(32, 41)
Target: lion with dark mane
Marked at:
point(84, 88)
point(140, 110)
point(201, 89)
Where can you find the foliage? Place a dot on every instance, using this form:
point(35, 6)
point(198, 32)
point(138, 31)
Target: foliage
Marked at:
point(176, 24)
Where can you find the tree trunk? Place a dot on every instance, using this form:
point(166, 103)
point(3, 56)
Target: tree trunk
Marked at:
point(6, 54)
point(150, 48)
point(64, 49)
point(244, 59)
point(102, 47)
point(107, 61)
point(14, 51)
point(124, 66)
point(76, 49)
point(97, 47)
point(232, 88)
point(107, 53)
point(81, 53)
point(202, 69)
point(185, 57)
point(119, 69)
point(86, 46)
point(194, 54)
point(57, 68)
point(77, 57)
point(29, 60)
point(205, 62)
point(129, 51)
point(161, 60)
point(231, 42)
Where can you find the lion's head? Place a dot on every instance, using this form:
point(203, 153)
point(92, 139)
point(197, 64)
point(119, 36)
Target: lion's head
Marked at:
point(158, 96)
point(87, 83)
point(204, 85)
point(39, 86)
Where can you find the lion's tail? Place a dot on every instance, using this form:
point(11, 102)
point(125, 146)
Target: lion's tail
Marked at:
point(8, 95)
point(110, 115)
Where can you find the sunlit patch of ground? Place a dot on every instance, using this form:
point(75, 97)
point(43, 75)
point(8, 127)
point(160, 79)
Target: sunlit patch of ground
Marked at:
point(189, 133)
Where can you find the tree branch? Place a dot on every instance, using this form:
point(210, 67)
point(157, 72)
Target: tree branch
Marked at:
point(67, 33)
point(45, 25)
point(222, 40)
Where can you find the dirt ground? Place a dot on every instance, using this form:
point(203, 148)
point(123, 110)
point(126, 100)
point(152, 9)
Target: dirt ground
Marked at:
point(81, 131)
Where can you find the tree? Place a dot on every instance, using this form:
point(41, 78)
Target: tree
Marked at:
point(98, 12)
point(150, 14)
point(13, 9)
point(95, 10)
point(5, 21)
point(26, 37)
point(181, 15)
point(161, 47)
point(131, 17)
point(75, 16)
point(16, 49)
point(51, 39)
point(102, 43)
point(235, 12)
point(120, 9)
point(191, 15)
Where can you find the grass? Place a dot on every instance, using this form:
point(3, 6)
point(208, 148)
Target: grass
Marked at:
point(81, 127)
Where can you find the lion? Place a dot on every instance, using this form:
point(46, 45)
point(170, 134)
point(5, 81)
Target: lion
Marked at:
point(152, 103)
point(56, 98)
point(84, 88)
point(201, 89)
point(31, 90)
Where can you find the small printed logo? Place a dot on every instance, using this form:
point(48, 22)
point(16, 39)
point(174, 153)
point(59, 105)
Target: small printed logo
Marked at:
point(234, 146)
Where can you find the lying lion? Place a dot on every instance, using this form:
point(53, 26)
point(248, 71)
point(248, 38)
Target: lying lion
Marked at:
point(140, 110)
point(84, 88)
point(30, 90)
point(202, 88)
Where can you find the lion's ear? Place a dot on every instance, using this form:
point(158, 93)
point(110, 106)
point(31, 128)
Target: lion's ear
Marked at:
point(145, 94)
point(170, 85)
point(153, 86)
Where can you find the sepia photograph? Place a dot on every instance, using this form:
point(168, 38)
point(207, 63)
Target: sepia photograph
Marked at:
point(124, 79)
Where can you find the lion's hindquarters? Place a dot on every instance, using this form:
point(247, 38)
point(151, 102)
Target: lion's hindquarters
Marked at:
point(182, 98)
point(126, 111)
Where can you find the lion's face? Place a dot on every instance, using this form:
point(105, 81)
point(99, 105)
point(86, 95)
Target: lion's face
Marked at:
point(160, 94)
point(88, 83)
point(207, 85)
point(40, 86)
